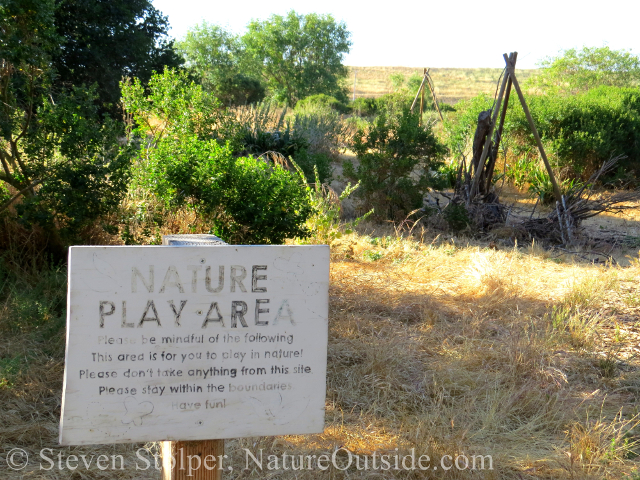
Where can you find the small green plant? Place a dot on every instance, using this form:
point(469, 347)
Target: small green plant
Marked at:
point(456, 216)
point(372, 255)
point(608, 366)
point(322, 101)
point(575, 326)
point(325, 223)
point(364, 106)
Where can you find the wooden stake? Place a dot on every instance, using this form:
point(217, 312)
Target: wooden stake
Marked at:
point(433, 95)
point(201, 459)
point(556, 189)
point(424, 79)
point(487, 145)
point(498, 137)
point(424, 73)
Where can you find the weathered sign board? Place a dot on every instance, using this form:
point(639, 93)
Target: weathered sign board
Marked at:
point(193, 343)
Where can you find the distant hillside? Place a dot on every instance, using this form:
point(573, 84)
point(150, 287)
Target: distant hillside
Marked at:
point(452, 84)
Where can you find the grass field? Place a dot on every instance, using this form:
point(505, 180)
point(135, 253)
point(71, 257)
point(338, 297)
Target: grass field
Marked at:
point(441, 344)
point(452, 84)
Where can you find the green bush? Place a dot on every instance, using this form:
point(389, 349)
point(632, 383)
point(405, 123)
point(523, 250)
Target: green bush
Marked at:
point(364, 107)
point(79, 162)
point(460, 127)
point(322, 100)
point(245, 199)
point(398, 162)
point(580, 132)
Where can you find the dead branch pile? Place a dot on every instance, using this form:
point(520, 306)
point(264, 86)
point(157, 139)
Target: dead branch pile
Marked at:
point(577, 204)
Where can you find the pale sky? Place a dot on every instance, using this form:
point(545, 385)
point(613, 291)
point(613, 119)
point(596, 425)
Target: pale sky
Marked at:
point(439, 33)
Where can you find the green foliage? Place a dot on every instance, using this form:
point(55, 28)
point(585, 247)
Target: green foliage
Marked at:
point(460, 127)
point(372, 255)
point(580, 70)
point(300, 55)
point(218, 59)
point(172, 104)
point(397, 81)
point(285, 142)
point(398, 159)
point(325, 222)
point(315, 162)
point(456, 216)
point(61, 64)
point(106, 41)
point(310, 137)
point(245, 199)
point(36, 298)
point(580, 132)
point(322, 101)
point(64, 158)
point(364, 107)
point(394, 102)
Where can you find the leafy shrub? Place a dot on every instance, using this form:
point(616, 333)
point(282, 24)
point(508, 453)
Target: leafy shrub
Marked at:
point(318, 162)
point(456, 216)
point(240, 90)
point(285, 142)
point(80, 167)
point(325, 221)
point(174, 105)
point(582, 131)
point(394, 102)
point(364, 107)
point(245, 199)
point(398, 161)
point(460, 126)
point(322, 100)
point(310, 137)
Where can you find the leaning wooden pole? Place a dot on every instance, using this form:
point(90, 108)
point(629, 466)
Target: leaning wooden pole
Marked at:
point(424, 79)
point(422, 99)
point(487, 146)
point(433, 95)
point(552, 178)
point(498, 136)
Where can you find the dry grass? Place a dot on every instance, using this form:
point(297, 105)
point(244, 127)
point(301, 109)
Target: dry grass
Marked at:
point(452, 84)
point(437, 345)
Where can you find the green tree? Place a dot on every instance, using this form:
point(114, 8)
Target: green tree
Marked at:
point(300, 55)
point(105, 40)
point(218, 59)
point(56, 152)
point(580, 70)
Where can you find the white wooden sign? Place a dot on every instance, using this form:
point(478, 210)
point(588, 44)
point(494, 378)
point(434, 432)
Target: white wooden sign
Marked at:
point(194, 343)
